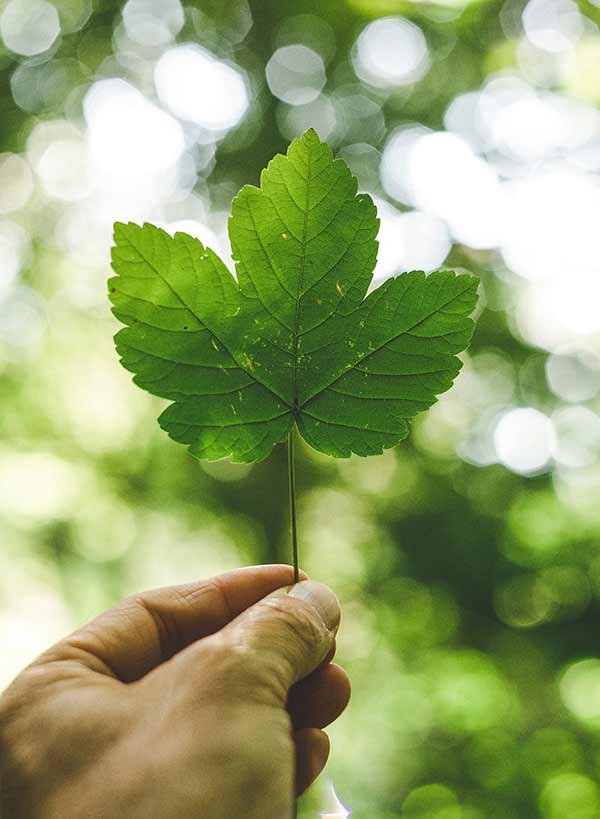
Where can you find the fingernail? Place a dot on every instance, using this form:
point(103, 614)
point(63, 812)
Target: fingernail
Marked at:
point(321, 598)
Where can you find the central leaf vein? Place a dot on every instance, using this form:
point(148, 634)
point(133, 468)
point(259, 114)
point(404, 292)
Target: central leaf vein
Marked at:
point(296, 339)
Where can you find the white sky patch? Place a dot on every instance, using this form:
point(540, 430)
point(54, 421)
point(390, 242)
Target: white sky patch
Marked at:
point(216, 240)
point(29, 621)
point(449, 181)
point(130, 161)
point(561, 311)
point(552, 224)
point(197, 87)
point(38, 485)
point(128, 136)
point(575, 301)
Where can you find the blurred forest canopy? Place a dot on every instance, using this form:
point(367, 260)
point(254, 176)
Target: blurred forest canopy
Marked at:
point(468, 559)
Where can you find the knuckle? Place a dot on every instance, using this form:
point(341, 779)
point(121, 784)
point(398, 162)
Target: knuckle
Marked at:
point(231, 670)
point(251, 767)
point(300, 623)
point(278, 642)
point(210, 593)
point(294, 642)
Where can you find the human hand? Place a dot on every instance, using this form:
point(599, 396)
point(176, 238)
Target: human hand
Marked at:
point(198, 700)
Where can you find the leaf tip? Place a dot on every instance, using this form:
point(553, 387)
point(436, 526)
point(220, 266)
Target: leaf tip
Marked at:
point(118, 230)
point(310, 137)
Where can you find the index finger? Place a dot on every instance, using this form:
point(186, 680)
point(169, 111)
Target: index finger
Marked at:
point(146, 629)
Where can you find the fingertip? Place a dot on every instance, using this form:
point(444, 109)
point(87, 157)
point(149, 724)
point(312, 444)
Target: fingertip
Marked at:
point(275, 569)
point(319, 699)
point(321, 598)
point(312, 753)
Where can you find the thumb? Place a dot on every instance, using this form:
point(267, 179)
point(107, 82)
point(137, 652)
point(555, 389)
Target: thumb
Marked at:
point(279, 640)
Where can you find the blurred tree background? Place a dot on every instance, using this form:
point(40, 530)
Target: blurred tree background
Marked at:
point(468, 559)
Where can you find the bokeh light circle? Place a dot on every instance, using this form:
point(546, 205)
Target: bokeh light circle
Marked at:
point(524, 439)
point(63, 170)
point(391, 52)
point(573, 375)
point(319, 114)
point(196, 86)
point(29, 27)
point(153, 22)
point(580, 690)
point(552, 25)
point(296, 74)
point(16, 182)
point(128, 137)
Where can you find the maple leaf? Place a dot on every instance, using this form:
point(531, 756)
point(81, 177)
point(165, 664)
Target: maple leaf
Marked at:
point(296, 339)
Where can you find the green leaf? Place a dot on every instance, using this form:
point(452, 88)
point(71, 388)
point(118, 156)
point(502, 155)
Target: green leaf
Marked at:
point(295, 339)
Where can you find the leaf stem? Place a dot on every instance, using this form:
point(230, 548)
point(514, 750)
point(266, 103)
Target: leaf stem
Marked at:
point(293, 527)
point(292, 487)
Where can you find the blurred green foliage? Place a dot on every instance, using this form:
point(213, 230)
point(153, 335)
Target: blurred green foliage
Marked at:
point(469, 583)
